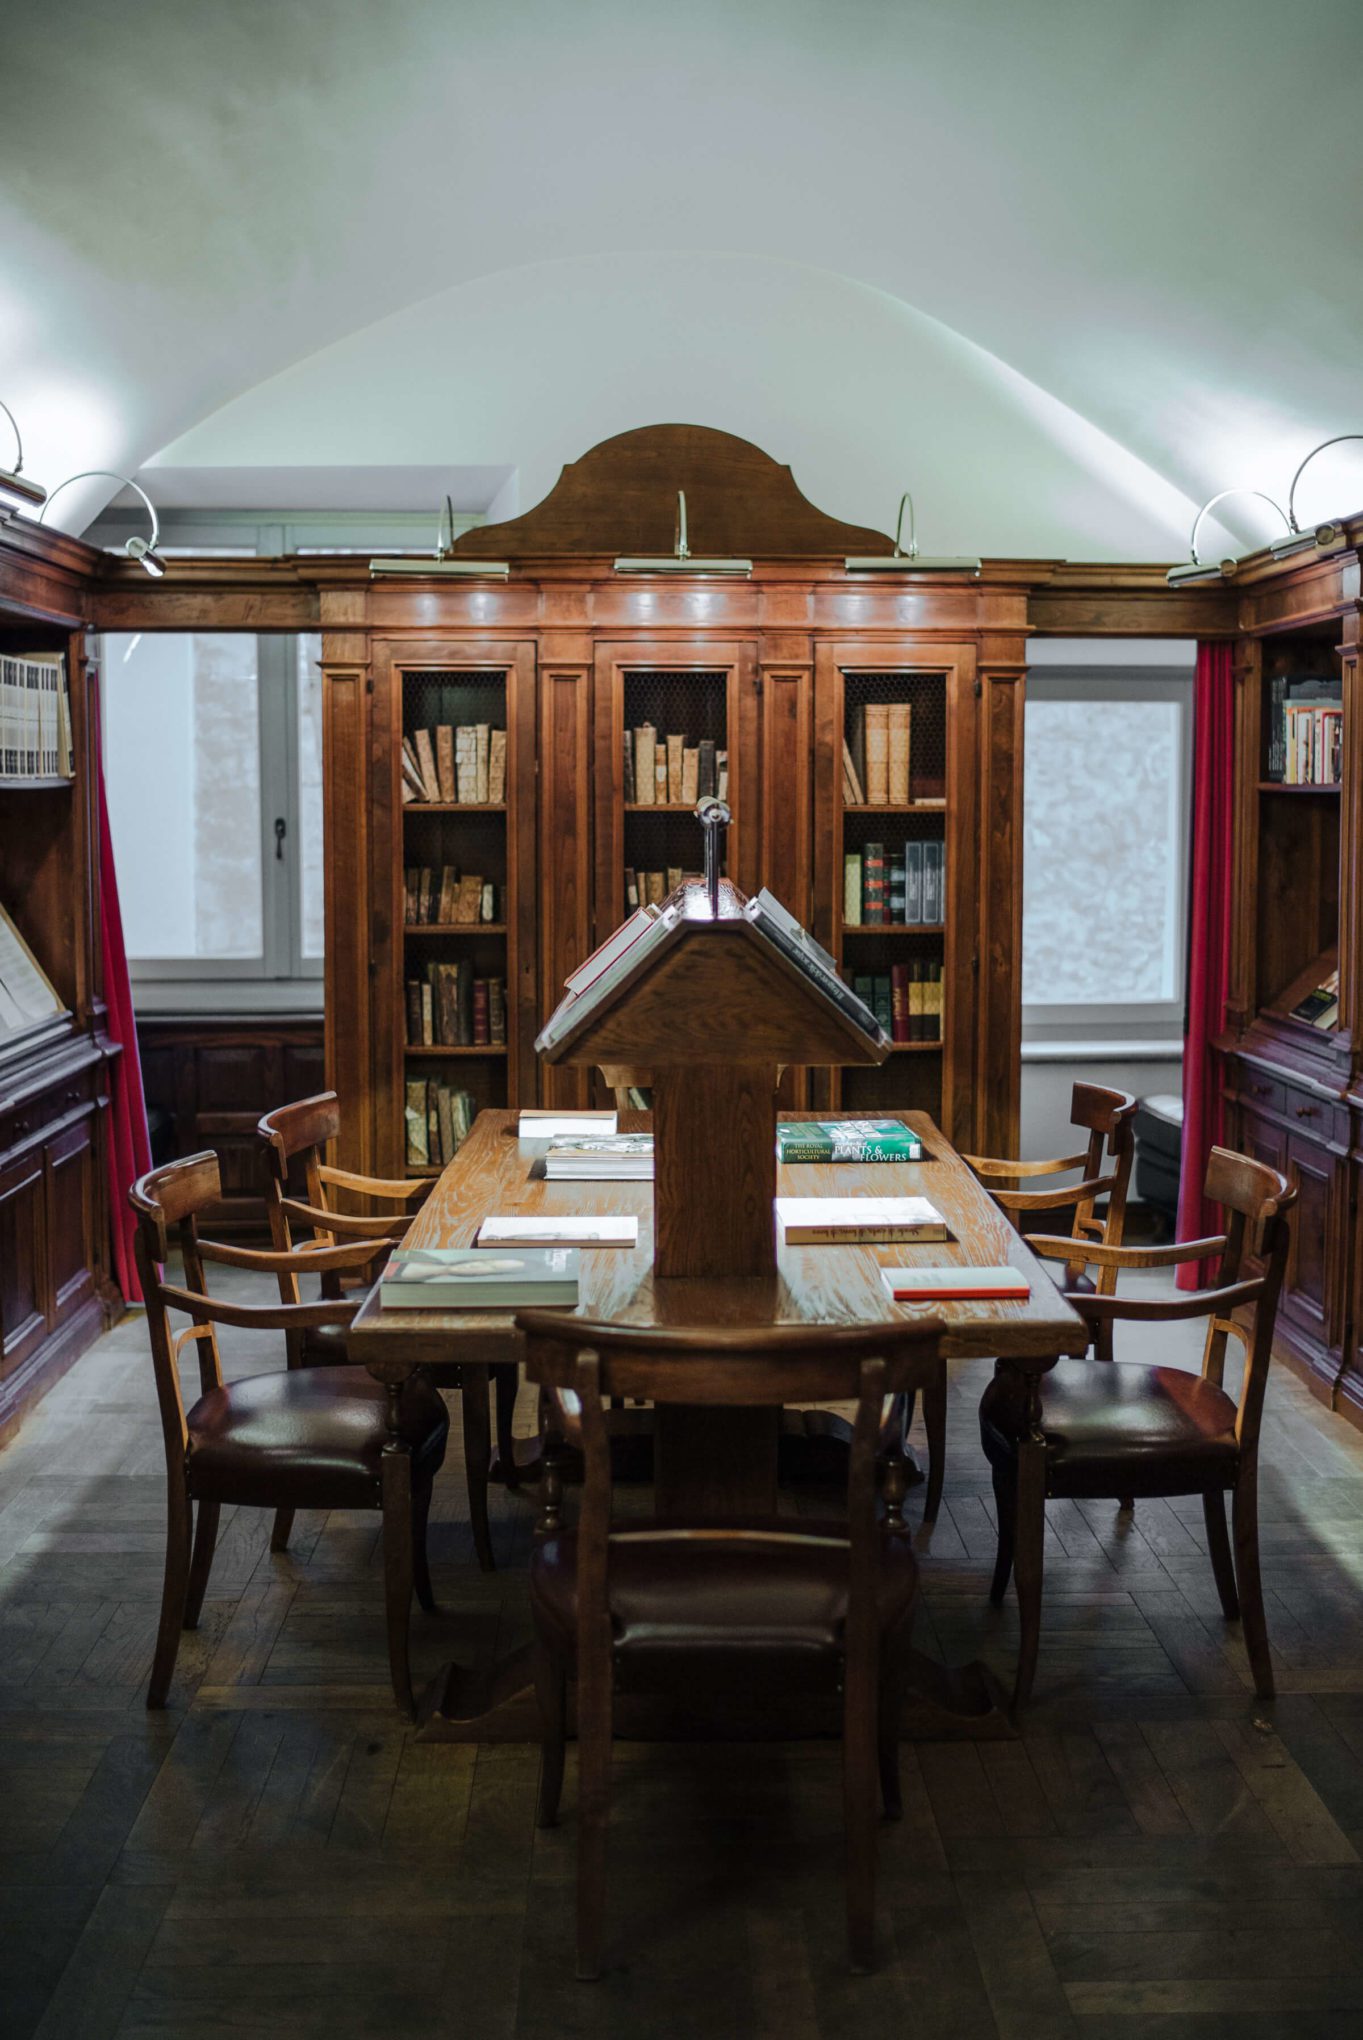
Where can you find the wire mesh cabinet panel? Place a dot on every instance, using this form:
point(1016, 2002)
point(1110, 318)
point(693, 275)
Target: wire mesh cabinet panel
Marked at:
point(895, 880)
point(455, 993)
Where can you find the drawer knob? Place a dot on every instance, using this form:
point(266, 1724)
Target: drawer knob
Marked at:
point(1306, 1112)
point(1262, 1090)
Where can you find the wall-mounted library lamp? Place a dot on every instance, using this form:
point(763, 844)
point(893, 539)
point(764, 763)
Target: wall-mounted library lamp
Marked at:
point(442, 561)
point(1195, 569)
point(143, 550)
point(912, 561)
point(1324, 537)
point(681, 560)
point(13, 481)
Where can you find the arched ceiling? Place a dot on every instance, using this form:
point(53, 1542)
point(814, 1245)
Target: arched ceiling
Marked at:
point(1108, 232)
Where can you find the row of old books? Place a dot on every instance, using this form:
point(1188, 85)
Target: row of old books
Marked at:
point(1306, 729)
point(35, 718)
point(666, 771)
point(651, 888)
point(463, 764)
point(437, 1117)
point(446, 897)
point(906, 1000)
point(451, 1008)
point(875, 755)
point(907, 888)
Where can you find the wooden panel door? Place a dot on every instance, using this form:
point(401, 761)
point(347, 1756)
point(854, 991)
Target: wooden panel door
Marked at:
point(23, 1260)
point(69, 1163)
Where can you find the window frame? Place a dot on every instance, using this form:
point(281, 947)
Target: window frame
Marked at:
point(1138, 1024)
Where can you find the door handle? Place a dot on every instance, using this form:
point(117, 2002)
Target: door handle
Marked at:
point(281, 830)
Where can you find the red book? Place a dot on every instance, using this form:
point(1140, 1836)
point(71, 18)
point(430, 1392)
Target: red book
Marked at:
point(899, 1002)
point(480, 1012)
point(873, 882)
point(945, 1285)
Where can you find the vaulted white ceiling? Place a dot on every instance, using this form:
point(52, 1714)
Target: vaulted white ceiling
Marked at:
point(1064, 268)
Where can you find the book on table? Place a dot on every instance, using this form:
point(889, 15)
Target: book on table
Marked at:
point(847, 1140)
point(549, 1125)
point(600, 1157)
point(946, 1285)
point(858, 1221)
point(549, 1229)
point(478, 1278)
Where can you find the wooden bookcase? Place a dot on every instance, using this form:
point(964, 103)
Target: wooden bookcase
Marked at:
point(55, 1289)
point(1294, 1092)
point(937, 684)
point(423, 688)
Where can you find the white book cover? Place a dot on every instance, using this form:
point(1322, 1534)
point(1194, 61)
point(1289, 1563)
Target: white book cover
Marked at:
point(927, 1285)
point(549, 1229)
point(474, 1278)
point(557, 1125)
point(817, 1219)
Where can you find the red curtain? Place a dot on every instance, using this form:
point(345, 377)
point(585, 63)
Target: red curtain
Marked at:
point(128, 1146)
point(1208, 944)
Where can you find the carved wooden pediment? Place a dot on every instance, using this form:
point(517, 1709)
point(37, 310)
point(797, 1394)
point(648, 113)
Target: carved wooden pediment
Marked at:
point(621, 497)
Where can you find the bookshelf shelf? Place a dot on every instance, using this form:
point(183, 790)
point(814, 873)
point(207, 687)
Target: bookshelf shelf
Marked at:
point(898, 807)
point(915, 1048)
point(439, 1051)
point(1284, 786)
point(454, 807)
point(660, 807)
point(454, 927)
point(893, 927)
point(26, 783)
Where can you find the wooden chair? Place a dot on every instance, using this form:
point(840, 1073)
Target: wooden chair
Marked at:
point(1098, 1431)
point(697, 1611)
point(1107, 1117)
point(303, 1130)
point(311, 1438)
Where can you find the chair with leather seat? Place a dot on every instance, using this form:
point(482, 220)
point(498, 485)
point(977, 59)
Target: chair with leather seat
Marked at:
point(294, 1139)
point(1107, 1117)
point(1108, 1430)
point(299, 1438)
point(703, 1610)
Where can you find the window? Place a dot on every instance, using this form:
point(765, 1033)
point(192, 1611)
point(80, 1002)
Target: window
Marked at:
point(1105, 809)
point(214, 772)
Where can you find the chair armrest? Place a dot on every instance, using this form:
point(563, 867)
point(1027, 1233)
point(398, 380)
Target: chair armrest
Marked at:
point(275, 1317)
point(406, 1190)
point(389, 1227)
point(987, 1165)
point(302, 1261)
point(1063, 1247)
point(1212, 1303)
point(1053, 1200)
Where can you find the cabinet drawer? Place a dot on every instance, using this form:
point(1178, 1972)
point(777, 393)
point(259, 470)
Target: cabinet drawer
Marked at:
point(1259, 1093)
point(29, 1119)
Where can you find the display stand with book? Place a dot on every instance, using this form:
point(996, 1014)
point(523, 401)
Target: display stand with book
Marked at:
point(713, 994)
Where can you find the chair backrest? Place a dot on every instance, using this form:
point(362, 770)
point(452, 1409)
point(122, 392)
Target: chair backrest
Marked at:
point(303, 1128)
point(579, 1364)
point(167, 1202)
point(1108, 1117)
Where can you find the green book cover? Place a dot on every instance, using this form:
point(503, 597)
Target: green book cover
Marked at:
point(847, 1140)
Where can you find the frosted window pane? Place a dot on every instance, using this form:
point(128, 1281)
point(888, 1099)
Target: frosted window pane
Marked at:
point(1101, 860)
point(310, 794)
point(182, 738)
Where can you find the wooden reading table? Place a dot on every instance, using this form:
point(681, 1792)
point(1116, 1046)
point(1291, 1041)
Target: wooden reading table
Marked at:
point(705, 1458)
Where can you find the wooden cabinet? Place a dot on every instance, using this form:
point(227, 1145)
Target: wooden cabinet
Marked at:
point(567, 656)
point(209, 1081)
point(54, 1295)
point(1295, 1091)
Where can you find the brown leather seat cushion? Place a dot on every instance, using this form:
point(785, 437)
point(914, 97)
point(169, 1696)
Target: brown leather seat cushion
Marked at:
point(725, 1596)
point(310, 1439)
point(1116, 1428)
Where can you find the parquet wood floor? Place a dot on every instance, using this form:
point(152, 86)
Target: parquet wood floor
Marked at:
point(1156, 1855)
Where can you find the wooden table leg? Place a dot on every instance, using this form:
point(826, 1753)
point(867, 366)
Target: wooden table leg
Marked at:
point(477, 1459)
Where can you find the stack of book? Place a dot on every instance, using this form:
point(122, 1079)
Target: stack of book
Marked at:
point(1306, 730)
point(651, 888)
point(600, 1157)
point(447, 897)
point(875, 755)
point(437, 1118)
point(35, 718)
point(907, 889)
point(906, 1000)
point(464, 765)
point(451, 1008)
point(667, 771)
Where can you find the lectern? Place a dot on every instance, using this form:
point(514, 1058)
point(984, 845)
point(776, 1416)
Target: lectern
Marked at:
point(712, 992)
